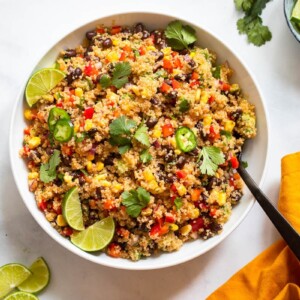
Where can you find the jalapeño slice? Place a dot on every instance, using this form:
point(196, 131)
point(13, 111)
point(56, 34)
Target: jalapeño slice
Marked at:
point(56, 114)
point(63, 130)
point(185, 139)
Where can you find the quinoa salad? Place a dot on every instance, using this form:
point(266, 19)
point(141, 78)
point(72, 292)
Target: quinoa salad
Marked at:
point(148, 127)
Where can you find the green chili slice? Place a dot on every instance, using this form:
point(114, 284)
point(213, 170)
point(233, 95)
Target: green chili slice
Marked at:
point(63, 131)
point(185, 139)
point(56, 114)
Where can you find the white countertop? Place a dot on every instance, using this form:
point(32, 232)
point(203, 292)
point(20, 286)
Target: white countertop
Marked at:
point(27, 29)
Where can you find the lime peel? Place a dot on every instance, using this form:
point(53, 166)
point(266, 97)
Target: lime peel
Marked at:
point(21, 296)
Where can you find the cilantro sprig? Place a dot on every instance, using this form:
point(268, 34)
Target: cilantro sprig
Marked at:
point(251, 24)
point(119, 76)
point(212, 157)
point(48, 170)
point(178, 203)
point(135, 201)
point(145, 156)
point(180, 36)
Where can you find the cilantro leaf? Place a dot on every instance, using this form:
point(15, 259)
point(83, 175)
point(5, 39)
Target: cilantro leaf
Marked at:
point(244, 164)
point(178, 203)
point(212, 157)
point(227, 134)
point(216, 72)
point(145, 156)
point(121, 125)
point(180, 36)
point(124, 149)
point(184, 105)
point(141, 135)
point(257, 7)
point(48, 170)
point(105, 81)
point(120, 74)
point(135, 201)
point(244, 5)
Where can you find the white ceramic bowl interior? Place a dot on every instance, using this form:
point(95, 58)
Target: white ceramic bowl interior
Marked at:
point(255, 153)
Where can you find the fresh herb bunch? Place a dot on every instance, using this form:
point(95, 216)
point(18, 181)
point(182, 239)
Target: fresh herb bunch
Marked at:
point(251, 24)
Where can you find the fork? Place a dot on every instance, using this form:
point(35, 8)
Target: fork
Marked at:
point(287, 232)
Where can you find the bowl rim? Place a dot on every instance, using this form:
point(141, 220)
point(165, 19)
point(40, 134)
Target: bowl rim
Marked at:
point(290, 25)
point(65, 243)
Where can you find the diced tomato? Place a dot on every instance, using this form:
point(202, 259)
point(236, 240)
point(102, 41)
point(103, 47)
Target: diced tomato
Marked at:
point(180, 174)
point(127, 48)
point(194, 83)
point(167, 64)
point(109, 205)
point(212, 212)
point(66, 150)
point(89, 70)
point(203, 206)
point(72, 92)
point(27, 131)
point(232, 181)
point(195, 76)
point(175, 84)
point(158, 229)
point(42, 205)
point(170, 218)
point(114, 250)
point(224, 86)
point(236, 176)
point(213, 135)
point(101, 30)
point(197, 224)
point(142, 50)
point(211, 99)
point(58, 210)
point(88, 113)
point(173, 198)
point(59, 104)
point(167, 130)
point(173, 189)
point(177, 63)
point(234, 162)
point(67, 231)
point(165, 88)
point(122, 56)
point(195, 194)
point(116, 29)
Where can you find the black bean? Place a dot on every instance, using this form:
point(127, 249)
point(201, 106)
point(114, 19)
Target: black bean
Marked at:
point(168, 81)
point(184, 51)
point(162, 44)
point(73, 75)
point(203, 197)
point(188, 77)
point(194, 152)
point(139, 27)
point(160, 55)
point(154, 101)
point(99, 193)
point(181, 162)
point(151, 122)
point(156, 144)
point(145, 35)
point(90, 34)
point(180, 77)
point(57, 182)
point(215, 227)
point(161, 167)
point(92, 132)
point(236, 196)
point(170, 178)
point(172, 97)
point(127, 30)
point(170, 156)
point(88, 49)
point(66, 160)
point(192, 64)
point(157, 67)
point(77, 72)
point(107, 43)
point(212, 183)
point(109, 161)
point(236, 114)
point(70, 53)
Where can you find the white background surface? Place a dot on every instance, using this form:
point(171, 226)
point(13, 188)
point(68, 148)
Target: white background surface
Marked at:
point(27, 29)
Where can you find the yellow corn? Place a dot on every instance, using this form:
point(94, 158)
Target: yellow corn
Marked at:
point(229, 125)
point(207, 120)
point(151, 48)
point(98, 178)
point(177, 151)
point(234, 88)
point(198, 94)
point(112, 56)
point(173, 142)
point(99, 166)
point(156, 133)
point(76, 127)
point(153, 186)
point(117, 187)
point(79, 92)
point(173, 227)
point(90, 156)
point(166, 51)
point(185, 230)
point(68, 178)
point(60, 221)
point(176, 72)
point(115, 42)
point(147, 211)
point(34, 142)
point(89, 166)
point(192, 54)
point(148, 175)
point(195, 213)
point(181, 190)
point(88, 125)
point(28, 114)
point(136, 90)
point(105, 183)
point(33, 175)
point(221, 198)
point(204, 97)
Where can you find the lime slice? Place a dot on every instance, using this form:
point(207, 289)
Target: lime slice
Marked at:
point(71, 209)
point(38, 280)
point(296, 12)
point(41, 83)
point(11, 275)
point(95, 237)
point(21, 296)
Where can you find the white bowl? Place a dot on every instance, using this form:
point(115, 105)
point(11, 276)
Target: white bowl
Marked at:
point(255, 153)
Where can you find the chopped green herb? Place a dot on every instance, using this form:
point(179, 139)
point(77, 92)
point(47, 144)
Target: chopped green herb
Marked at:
point(245, 164)
point(120, 74)
point(179, 36)
point(121, 125)
point(79, 138)
point(48, 170)
point(84, 172)
point(145, 156)
point(212, 157)
point(216, 72)
point(161, 73)
point(105, 81)
point(135, 201)
point(136, 53)
point(141, 135)
point(178, 203)
point(184, 105)
point(227, 134)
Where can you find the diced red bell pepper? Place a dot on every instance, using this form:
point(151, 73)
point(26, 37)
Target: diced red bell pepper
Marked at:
point(88, 113)
point(100, 30)
point(27, 131)
point(114, 250)
point(116, 29)
point(195, 194)
point(167, 64)
point(127, 48)
point(167, 130)
point(59, 104)
point(122, 56)
point(180, 174)
point(197, 224)
point(158, 229)
point(173, 189)
point(175, 84)
point(165, 88)
point(142, 50)
point(89, 70)
point(194, 83)
point(67, 231)
point(224, 86)
point(213, 135)
point(212, 212)
point(170, 218)
point(109, 205)
point(195, 76)
point(66, 150)
point(234, 162)
point(211, 99)
point(177, 63)
point(42, 205)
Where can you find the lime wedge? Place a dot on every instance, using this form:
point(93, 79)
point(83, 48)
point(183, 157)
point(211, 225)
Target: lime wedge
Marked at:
point(296, 12)
point(95, 237)
point(38, 280)
point(21, 296)
point(11, 275)
point(71, 209)
point(41, 83)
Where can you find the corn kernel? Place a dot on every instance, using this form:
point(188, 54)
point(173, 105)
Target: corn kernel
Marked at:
point(89, 166)
point(195, 213)
point(136, 90)
point(229, 125)
point(177, 152)
point(34, 142)
point(115, 42)
point(112, 56)
point(173, 227)
point(100, 177)
point(204, 97)
point(221, 198)
point(166, 51)
point(117, 187)
point(151, 48)
point(192, 54)
point(153, 186)
point(99, 166)
point(90, 156)
point(181, 190)
point(148, 175)
point(146, 212)
point(173, 142)
point(76, 127)
point(79, 92)
point(88, 125)
point(68, 178)
point(198, 94)
point(234, 88)
point(156, 133)
point(207, 120)
point(105, 183)
point(176, 72)
point(185, 230)
point(33, 175)
point(60, 221)
point(28, 114)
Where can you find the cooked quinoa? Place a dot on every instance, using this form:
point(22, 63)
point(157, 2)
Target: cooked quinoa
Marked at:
point(163, 91)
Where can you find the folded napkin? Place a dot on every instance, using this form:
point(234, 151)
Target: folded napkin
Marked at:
point(275, 273)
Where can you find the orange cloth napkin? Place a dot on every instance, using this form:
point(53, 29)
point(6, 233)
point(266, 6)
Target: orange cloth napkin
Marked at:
point(275, 273)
